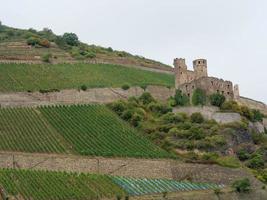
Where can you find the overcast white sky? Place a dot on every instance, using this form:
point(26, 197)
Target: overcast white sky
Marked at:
point(231, 34)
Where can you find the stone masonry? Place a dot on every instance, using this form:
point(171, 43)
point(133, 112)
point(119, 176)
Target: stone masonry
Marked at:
point(187, 80)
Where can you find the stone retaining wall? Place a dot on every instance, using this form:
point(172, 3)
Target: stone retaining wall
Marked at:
point(140, 168)
point(210, 112)
point(95, 95)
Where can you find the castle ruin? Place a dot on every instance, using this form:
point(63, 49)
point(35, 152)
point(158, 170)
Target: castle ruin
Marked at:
point(187, 80)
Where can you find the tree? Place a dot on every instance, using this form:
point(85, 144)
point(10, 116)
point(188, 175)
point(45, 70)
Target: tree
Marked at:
point(197, 118)
point(180, 98)
point(71, 39)
point(146, 98)
point(242, 185)
point(199, 97)
point(217, 99)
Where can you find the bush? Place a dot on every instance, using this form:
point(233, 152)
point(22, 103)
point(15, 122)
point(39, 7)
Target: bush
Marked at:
point(180, 99)
point(125, 87)
point(46, 57)
point(197, 118)
point(257, 116)
point(118, 107)
point(159, 108)
point(33, 41)
point(71, 39)
point(146, 98)
point(242, 154)
point(228, 161)
point(90, 55)
point(246, 112)
point(242, 185)
point(256, 162)
point(173, 118)
point(199, 97)
point(44, 43)
point(83, 87)
point(231, 106)
point(136, 119)
point(127, 115)
point(217, 99)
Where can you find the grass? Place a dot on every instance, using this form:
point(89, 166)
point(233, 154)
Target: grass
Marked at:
point(78, 129)
point(23, 77)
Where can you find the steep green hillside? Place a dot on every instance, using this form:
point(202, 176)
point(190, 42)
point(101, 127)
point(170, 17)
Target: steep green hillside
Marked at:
point(24, 77)
point(32, 45)
point(79, 129)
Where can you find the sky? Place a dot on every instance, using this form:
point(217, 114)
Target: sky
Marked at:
point(230, 34)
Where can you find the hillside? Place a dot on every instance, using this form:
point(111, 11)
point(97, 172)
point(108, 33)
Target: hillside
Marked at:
point(25, 77)
point(83, 130)
point(31, 46)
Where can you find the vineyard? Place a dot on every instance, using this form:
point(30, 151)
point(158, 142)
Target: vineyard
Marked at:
point(136, 187)
point(78, 129)
point(23, 77)
point(41, 185)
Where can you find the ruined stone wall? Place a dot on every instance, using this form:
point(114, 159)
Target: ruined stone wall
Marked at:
point(253, 104)
point(209, 84)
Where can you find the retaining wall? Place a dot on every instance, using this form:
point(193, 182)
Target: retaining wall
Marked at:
point(95, 95)
point(140, 168)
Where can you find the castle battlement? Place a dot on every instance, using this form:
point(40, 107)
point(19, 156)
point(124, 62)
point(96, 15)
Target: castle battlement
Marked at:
point(188, 80)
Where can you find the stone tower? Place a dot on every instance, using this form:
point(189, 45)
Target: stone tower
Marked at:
point(200, 68)
point(180, 70)
point(236, 92)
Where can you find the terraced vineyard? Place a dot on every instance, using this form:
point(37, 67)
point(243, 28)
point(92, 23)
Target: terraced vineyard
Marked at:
point(137, 187)
point(77, 129)
point(23, 77)
point(40, 185)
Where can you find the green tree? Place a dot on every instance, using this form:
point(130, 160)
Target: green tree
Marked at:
point(146, 98)
point(217, 99)
point(197, 118)
point(71, 39)
point(180, 98)
point(199, 97)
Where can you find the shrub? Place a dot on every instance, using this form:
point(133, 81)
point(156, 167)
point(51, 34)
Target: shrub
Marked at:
point(44, 43)
point(242, 154)
point(71, 39)
point(180, 99)
point(125, 87)
point(136, 119)
point(83, 87)
point(127, 115)
point(197, 118)
point(231, 106)
point(118, 107)
point(199, 97)
point(246, 112)
point(159, 108)
point(90, 55)
point(33, 41)
point(217, 99)
point(173, 118)
point(46, 57)
point(146, 98)
point(228, 161)
point(242, 185)
point(256, 162)
point(143, 87)
point(257, 116)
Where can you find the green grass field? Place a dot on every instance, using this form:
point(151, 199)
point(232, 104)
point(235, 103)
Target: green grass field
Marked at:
point(23, 77)
point(78, 129)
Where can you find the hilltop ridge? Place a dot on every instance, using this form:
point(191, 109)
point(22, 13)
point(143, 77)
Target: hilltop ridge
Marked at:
point(32, 46)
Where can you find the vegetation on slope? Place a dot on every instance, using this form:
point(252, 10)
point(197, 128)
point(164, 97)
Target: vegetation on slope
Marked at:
point(23, 77)
point(195, 138)
point(62, 48)
point(80, 129)
point(41, 185)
